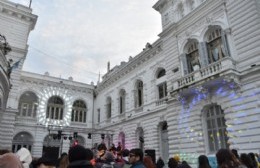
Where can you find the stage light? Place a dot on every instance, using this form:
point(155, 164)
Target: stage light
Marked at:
point(89, 135)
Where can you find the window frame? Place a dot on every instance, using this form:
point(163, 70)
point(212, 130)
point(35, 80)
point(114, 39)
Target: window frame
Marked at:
point(217, 113)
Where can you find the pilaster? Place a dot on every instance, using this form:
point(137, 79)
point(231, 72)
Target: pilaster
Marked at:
point(7, 128)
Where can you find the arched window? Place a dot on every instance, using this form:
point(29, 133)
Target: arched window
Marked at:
point(55, 108)
point(22, 139)
point(139, 94)
point(122, 96)
point(216, 128)
point(121, 140)
point(109, 107)
point(192, 56)
point(28, 104)
point(161, 83)
point(216, 44)
point(79, 111)
point(161, 73)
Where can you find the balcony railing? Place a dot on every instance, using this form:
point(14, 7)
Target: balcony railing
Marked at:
point(203, 73)
point(161, 101)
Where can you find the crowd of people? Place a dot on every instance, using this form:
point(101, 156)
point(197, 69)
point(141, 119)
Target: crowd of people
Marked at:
point(101, 157)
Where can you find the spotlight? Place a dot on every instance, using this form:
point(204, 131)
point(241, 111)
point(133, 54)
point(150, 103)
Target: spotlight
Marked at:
point(89, 135)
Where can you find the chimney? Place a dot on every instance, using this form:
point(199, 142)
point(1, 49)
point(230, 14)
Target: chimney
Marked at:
point(108, 66)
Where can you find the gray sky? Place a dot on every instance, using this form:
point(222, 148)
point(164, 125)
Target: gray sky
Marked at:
point(78, 37)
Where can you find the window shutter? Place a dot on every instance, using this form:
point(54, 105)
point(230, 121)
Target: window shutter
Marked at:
point(224, 45)
point(203, 54)
point(184, 64)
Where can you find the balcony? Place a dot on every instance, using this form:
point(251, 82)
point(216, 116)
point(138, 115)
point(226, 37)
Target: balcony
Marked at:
point(217, 68)
point(161, 101)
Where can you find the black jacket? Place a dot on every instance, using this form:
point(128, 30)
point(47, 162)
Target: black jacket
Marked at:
point(81, 164)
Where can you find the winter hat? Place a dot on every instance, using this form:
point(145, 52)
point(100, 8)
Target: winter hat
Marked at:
point(25, 157)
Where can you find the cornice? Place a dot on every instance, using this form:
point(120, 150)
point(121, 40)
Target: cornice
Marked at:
point(19, 12)
point(202, 14)
point(120, 71)
point(44, 80)
point(159, 5)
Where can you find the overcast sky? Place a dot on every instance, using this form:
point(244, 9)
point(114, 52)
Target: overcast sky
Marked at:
point(78, 37)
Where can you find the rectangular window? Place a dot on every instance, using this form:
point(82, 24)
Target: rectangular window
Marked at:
point(162, 90)
point(35, 106)
point(98, 119)
point(216, 128)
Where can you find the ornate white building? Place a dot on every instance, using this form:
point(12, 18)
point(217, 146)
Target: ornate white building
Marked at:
point(193, 91)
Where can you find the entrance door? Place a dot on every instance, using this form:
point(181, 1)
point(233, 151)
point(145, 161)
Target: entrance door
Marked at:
point(51, 152)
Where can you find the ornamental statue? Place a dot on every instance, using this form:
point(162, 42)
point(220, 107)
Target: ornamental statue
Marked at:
point(4, 46)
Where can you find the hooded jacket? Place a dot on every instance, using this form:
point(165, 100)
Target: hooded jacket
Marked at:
point(25, 157)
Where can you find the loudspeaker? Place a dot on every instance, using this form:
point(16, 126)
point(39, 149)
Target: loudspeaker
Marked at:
point(151, 153)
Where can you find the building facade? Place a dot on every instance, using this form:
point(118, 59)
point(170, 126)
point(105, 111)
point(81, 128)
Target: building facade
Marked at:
point(193, 91)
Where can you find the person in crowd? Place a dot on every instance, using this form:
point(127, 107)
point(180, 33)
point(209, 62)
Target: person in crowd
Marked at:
point(234, 151)
point(160, 163)
point(25, 157)
point(148, 162)
point(125, 154)
point(184, 164)
point(226, 159)
point(119, 159)
point(64, 162)
point(136, 158)
point(113, 148)
point(4, 151)
point(119, 147)
point(108, 161)
point(203, 162)
point(257, 157)
point(61, 156)
point(45, 162)
point(177, 158)
point(246, 160)
point(80, 157)
point(172, 163)
point(101, 150)
point(34, 163)
point(252, 156)
point(10, 160)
